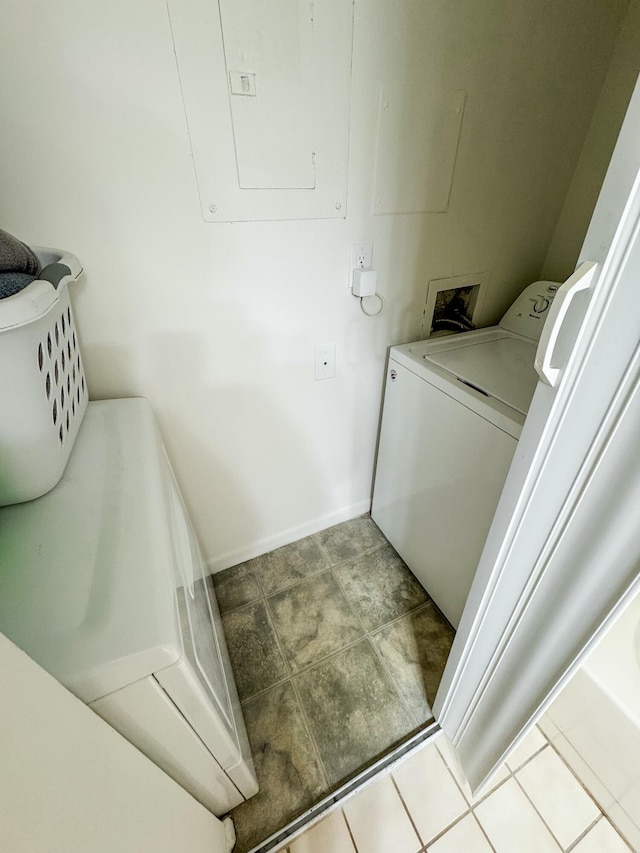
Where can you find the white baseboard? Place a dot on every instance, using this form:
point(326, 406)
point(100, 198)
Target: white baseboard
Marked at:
point(277, 540)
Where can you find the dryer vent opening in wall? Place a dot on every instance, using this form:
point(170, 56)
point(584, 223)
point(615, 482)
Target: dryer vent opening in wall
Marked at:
point(453, 304)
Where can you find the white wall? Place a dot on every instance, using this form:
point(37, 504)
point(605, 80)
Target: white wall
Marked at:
point(597, 150)
point(216, 324)
point(70, 784)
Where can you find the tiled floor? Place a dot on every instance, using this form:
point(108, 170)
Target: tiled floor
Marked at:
point(533, 805)
point(337, 653)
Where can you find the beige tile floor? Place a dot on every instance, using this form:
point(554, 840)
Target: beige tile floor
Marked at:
point(534, 804)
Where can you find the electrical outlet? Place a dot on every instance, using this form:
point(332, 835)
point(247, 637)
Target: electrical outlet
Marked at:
point(325, 362)
point(361, 258)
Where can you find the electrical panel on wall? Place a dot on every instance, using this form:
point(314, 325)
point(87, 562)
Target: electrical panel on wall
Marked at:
point(266, 86)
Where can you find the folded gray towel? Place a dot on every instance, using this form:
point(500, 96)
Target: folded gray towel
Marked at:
point(13, 282)
point(16, 256)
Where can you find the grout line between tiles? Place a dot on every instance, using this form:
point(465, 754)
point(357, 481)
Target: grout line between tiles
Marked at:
point(367, 636)
point(583, 834)
point(329, 567)
point(469, 810)
point(531, 757)
point(333, 654)
point(278, 642)
point(298, 671)
point(533, 805)
point(295, 672)
point(307, 726)
point(255, 574)
point(353, 841)
point(406, 808)
point(297, 582)
point(472, 807)
point(262, 692)
point(304, 669)
point(422, 606)
point(396, 686)
point(348, 600)
point(588, 792)
point(481, 827)
point(484, 796)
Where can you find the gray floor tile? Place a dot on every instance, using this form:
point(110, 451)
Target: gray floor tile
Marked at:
point(236, 587)
point(380, 587)
point(289, 773)
point(313, 619)
point(255, 656)
point(350, 539)
point(290, 564)
point(353, 708)
point(415, 650)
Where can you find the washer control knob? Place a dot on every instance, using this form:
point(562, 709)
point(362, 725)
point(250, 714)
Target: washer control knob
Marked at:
point(541, 304)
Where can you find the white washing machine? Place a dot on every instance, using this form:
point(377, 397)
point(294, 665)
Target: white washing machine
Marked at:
point(453, 411)
point(101, 582)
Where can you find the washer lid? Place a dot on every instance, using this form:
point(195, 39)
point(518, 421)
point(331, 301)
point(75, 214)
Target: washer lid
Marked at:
point(86, 571)
point(500, 367)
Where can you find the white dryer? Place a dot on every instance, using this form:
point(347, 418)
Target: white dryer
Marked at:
point(101, 583)
point(453, 411)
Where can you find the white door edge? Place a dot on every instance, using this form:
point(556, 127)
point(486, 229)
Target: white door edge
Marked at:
point(477, 656)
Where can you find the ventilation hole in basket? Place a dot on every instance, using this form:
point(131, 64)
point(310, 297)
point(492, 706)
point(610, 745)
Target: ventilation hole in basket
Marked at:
point(57, 334)
point(82, 383)
point(74, 374)
point(69, 316)
point(49, 345)
point(67, 421)
point(64, 325)
point(73, 406)
point(73, 338)
point(47, 386)
point(56, 372)
point(78, 362)
point(64, 359)
point(62, 399)
point(61, 435)
point(69, 350)
point(55, 412)
point(40, 357)
point(68, 384)
point(78, 395)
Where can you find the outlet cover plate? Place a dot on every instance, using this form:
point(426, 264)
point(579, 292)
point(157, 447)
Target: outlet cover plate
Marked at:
point(361, 258)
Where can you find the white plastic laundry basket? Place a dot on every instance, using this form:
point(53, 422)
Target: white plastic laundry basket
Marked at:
point(42, 383)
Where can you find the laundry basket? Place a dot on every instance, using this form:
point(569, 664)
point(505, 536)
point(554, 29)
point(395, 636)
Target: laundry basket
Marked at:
point(42, 383)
